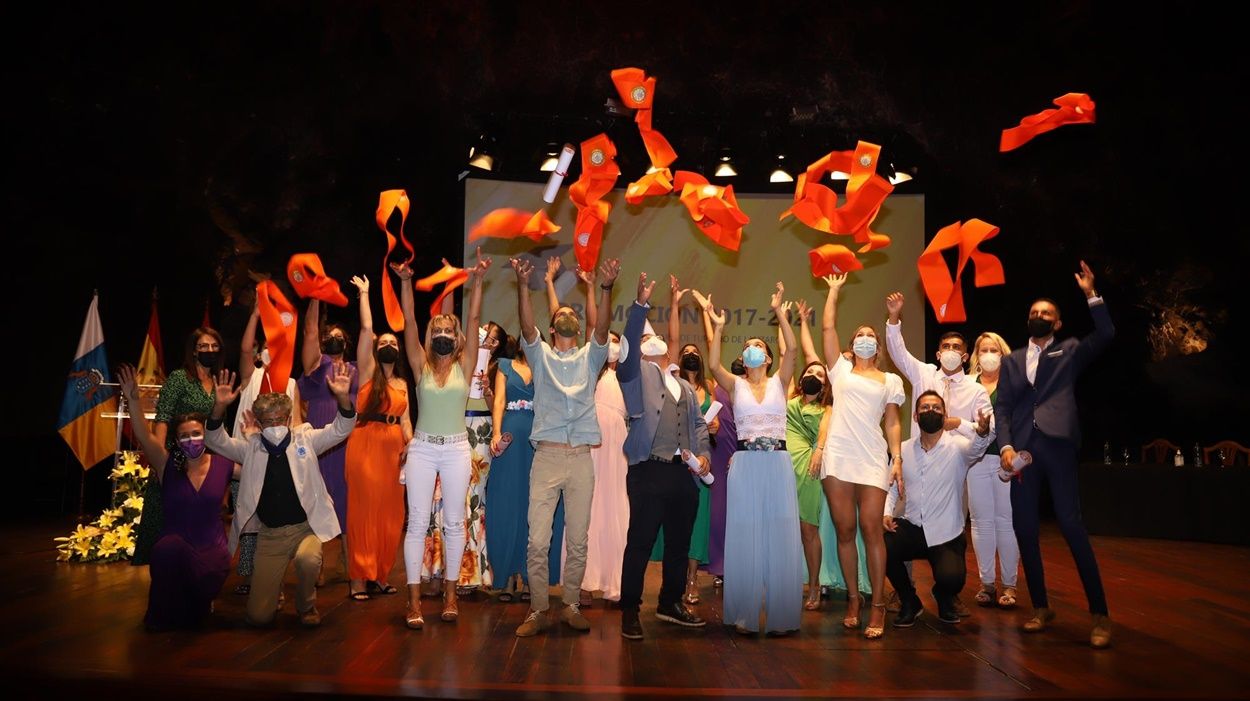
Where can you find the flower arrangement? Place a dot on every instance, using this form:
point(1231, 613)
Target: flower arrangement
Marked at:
point(111, 537)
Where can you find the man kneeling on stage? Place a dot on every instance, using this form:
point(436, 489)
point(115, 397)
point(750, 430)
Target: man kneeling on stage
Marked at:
point(935, 469)
point(281, 492)
point(665, 426)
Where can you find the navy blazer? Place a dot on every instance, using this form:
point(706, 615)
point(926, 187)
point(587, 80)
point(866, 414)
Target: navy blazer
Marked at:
point(1049, 404)
point(642, 386)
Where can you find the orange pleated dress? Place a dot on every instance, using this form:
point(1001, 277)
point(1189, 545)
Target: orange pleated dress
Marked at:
point(375, 498)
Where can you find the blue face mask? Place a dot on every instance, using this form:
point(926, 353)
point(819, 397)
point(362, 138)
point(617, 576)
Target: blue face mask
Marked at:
point(865, 347)
point(753, 356)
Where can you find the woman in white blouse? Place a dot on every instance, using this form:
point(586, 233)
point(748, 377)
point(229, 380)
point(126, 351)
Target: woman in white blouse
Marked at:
point(857, 470)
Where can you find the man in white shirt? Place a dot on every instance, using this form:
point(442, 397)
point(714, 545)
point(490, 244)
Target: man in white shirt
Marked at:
point(935, 466)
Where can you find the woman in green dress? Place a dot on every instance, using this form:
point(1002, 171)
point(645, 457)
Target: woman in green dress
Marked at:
point(806, 416)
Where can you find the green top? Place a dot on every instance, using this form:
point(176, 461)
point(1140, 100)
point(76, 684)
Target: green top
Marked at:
point(182, 395)
point(993, 449)
point(802, 429)
point(440, 410)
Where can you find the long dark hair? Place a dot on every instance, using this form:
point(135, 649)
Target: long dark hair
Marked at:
point(189, 361)
point(696, 378)
point(379, 399)
point(499, 351)
point(825, 397)
point(347, 337)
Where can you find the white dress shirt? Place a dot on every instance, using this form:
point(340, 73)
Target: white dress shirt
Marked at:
point(934, 480)
point(963, 395)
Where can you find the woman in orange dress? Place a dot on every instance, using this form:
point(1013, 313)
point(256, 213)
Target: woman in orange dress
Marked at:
point(375, 456)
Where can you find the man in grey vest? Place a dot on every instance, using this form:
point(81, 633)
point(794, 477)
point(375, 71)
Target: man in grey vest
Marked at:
point(665, 426)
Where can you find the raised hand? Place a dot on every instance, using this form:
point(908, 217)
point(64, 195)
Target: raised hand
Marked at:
point(340, 382)
point(553, 269)
point(402, 270)
point(587, 276)
point(775, 301)
point(1085, 280)
point(718, 319)
point(676, 292)
point(894, 305)
point(130, 386)
point(608, 271)
point(478, 271)
point(802, 309)
point(835, 281)
point(523, 268)
point(644, 289)
point(224, 391)
point(362, 284)
point(783, 312)
point(703, 302)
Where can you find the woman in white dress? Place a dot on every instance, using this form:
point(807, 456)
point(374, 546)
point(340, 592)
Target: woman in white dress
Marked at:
point(609, 508)
point(857, 468)
point(763, 552)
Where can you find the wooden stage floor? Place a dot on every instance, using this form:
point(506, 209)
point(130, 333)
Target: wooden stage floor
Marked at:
point(1182, 613)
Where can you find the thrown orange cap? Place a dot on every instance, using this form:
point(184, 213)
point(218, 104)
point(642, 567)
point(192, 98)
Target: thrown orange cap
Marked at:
point(445, 274)
point(713, 209)
point(508, 223)
point(945, 294)
point(388, 202)
point(656, 182)
point(1073, 108)
point(816, 205)
point(278, 318)
point(833, 259)
point(599, 174)
point(636, 90)
point(309, 279)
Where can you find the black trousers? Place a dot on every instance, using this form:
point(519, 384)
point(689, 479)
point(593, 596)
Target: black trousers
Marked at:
point(950, 569)
point(660, 494)
point(1054, 460)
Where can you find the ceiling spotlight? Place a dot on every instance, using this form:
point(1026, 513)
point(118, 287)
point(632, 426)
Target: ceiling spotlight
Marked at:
point(899, 177)
point(839, 175)
point(479, 157)
point(552, 159)
point(779, 174)
point(725, 170)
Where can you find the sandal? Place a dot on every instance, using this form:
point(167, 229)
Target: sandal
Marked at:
point(1008, 599)
point(451, 609)
point(853, 603)
point(380, 588)
point(357, 595)
point(525, 595)
point(813, 599)
point(414, 620)
point(985, 597)
point(875, 632)
point(505, 597)
point(692, 591)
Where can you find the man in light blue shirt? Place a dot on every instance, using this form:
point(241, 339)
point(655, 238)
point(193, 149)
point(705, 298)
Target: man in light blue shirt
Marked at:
point(565, 426)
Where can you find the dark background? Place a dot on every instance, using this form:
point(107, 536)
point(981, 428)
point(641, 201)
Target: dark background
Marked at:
point(179, 147)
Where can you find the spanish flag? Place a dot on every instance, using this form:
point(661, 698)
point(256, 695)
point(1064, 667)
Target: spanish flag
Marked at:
point(90, 437)
point(151, 368)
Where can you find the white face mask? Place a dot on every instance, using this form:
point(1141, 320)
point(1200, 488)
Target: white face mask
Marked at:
point(264, 357)
point(482, 333)
point(951, 360)
point(990, 362)
point(614, 351)
point(865, 347)
point(653, 346)
point(275, 434)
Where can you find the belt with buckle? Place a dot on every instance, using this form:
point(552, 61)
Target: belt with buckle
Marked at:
point(674, 459)
point(382, 418)
point(440, 440)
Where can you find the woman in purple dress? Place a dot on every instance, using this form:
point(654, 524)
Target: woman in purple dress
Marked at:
point(190, 560)
point(723, 446)
point(323, 347)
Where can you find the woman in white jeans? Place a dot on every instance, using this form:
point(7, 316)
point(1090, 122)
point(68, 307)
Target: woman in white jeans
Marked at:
point(989, 498)
point(440, 444)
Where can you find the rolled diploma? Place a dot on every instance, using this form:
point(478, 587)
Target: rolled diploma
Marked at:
point(557, 175)
point(692, 461)
point(712, 410)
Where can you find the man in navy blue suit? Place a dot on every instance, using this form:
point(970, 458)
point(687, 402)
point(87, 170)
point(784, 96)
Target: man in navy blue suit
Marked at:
point(1036, 412)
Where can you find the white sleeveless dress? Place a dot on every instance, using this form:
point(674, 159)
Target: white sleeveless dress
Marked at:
point(855, 449)
point(763, 549)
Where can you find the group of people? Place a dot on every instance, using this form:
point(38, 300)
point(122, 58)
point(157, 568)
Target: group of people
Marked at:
point(593, 452)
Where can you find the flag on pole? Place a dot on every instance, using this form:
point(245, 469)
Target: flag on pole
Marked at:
point(90, 437)
point(151, 369)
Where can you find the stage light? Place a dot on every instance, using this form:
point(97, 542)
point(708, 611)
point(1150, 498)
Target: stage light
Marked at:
point(839, 175)
point(899, 177)
point(479, 156)
point(551, 160)
point(725, 170)
point(779, 174)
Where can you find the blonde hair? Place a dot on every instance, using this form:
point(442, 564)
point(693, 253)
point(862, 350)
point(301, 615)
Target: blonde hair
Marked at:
point(975, 365)
point(455, 322)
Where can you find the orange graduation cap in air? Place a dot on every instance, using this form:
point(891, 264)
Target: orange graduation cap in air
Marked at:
point(308, 277)
point(599, 174)
point(816, 205)
point(451, 277)
point(637, 92)
point(945, 294)
point(277, 317)
point(388, 202)
point(833, 259)
point(1073, 108)
point(713, 208)
point(508, 223)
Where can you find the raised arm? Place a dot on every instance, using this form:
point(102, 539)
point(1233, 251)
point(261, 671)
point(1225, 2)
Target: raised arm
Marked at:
point(412, 335)
point(590, 277)
point(310, 353)
point(829, 319)
point(1104, 329)
point(215, 437)
point(608, 271)
point(676, 292)
point(908, 364)
point(782, 310)
point(364, 347)
point(525, 310)
point(468, 358)
point(724, 378)
point(549, 282)
point(247, 351)
point(154, 449)
point(805, 333)
point(629, 370)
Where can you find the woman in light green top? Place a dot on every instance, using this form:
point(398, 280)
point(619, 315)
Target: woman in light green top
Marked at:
point(440, 445)
point(805, 417)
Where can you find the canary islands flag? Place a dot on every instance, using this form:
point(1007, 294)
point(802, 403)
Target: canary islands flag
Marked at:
point(90, 437)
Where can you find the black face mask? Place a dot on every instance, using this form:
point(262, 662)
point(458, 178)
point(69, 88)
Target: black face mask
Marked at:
point(930, 421)
point(208, 358)
point(443, 345)
point(333, 345)
point(388, 354)
point(1040, 328)
point(737, 368)
point(691, 362)
point(811, 384)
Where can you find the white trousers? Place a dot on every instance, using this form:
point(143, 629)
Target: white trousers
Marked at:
point(989, 502)
point(452, 465)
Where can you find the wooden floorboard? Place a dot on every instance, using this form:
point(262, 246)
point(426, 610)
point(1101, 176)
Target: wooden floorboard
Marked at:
point(1182, 613)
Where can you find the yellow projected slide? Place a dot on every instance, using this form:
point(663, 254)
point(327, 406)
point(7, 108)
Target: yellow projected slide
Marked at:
point(659, 238)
